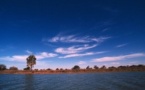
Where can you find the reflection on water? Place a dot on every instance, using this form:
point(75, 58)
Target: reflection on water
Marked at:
point(29, 82)
point(91, 81)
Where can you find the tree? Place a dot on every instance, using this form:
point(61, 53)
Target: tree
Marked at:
point(88, 67)
point(13, 68)
point(3, 67)
point(61, 69)
point(49, 69)
point(96, 67)
point(31, 61)
point(76, 67)
point(57, 69)
point(103, 67)
point(27, 68)
point(112, 68)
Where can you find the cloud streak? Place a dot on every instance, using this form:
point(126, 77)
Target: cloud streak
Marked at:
point(116, 58)
point(81, 62)
point(74, 49)
point(19, 58)
point(80, 55)
point(121, 45)
point(76, 39)
point(28, 51)
point(44, 55)
point(22, 58)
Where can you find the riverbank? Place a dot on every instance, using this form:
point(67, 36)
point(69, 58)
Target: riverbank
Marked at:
point(63, 71)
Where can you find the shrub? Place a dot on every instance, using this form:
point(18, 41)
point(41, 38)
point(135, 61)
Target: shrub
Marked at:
point(76, 67)
point(48, 69)
point(13, 68)
point(3, 67)
point(27, 68)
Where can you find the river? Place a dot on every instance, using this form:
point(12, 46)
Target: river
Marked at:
point(87, 81)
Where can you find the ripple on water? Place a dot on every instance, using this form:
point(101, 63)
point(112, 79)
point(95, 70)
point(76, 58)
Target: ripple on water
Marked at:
point(91, 81)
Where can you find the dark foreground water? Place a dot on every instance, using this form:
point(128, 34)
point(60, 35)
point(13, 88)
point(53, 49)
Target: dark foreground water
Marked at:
point(91, 81)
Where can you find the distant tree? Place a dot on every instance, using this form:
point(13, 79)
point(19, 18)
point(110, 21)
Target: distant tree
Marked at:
point(13, 68)
point(57, 68)
point(88, 67)
point(36, 69)
point(31, 61)
point(27, 68)
point(112, 68)
point(76, 67)
point(140, 65)
point(103, 67)
point(3, 67)
point(122, 68)
point(61, 69)
point(96, 67)
point(48, 69)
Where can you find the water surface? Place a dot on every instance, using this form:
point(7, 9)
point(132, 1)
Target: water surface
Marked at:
point(89, 81)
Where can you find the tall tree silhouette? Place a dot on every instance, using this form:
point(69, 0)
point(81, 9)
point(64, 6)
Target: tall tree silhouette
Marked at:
point(31, 61)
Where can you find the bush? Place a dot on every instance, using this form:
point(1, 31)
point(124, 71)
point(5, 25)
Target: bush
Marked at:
point(48, 69)
point(57, 69)
point(3, 67)
point(96, 67)
point(27, 68)
point(13, 68)
point(36, 69)
point(76, 67)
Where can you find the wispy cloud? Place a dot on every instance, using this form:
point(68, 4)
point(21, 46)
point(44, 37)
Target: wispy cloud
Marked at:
point(74, 49)
point(121, 45)
point(115, 63)
point(106, 29)
point(82, 54)
point(19, 58)
point(29, 52)
point(116, 58)
point(81, 62)
point(22, 58)
point(44, 55)
point(76, 39)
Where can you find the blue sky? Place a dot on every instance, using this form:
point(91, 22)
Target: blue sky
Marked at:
point(64, 33)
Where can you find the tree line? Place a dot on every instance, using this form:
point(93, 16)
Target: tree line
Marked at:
point(31, 61)
point(75, 68)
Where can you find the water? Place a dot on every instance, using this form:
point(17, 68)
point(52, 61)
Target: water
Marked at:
point(91, 81)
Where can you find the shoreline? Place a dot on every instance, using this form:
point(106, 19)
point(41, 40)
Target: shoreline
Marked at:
point(61, 72)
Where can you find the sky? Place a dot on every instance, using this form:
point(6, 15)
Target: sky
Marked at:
point(64, 33)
